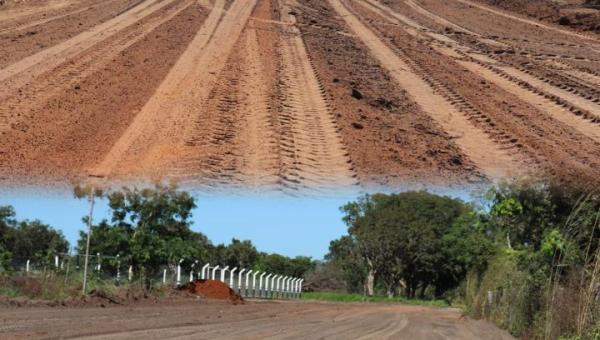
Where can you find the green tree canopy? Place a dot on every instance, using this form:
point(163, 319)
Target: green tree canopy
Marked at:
point(406, 241)
point(149, 228)
point(32, 240)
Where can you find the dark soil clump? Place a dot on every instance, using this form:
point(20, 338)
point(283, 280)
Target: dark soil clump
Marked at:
point(212, 289)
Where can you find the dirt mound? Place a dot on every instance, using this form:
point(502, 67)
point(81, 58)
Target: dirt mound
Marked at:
point(212, 289)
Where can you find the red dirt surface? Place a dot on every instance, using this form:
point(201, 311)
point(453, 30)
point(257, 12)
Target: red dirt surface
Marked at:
point(290, 95)
point(212, 289)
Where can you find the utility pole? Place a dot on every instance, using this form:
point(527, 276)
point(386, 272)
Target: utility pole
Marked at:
point(87, 246)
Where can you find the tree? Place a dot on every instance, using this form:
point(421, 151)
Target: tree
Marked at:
point(31, 240)
point(149, 228)
point(523, 211)
point(344, 256)
point(467, 247)
point(37, 241)
point(402, 238)
point(283, 265)
point(241, 254)
point(7, 222)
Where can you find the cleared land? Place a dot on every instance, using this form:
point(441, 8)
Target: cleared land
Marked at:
point(254, 320)
point(289, 95)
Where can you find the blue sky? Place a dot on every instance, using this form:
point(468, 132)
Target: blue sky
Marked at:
point(287, 225)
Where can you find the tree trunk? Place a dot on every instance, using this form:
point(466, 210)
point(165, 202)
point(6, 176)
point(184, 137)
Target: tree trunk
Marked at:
point(371, 282)
point(422, 292)
point(412, 290)
point(391, 291)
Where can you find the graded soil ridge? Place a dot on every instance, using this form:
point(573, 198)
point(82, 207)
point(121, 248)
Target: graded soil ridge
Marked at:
point(277, 95)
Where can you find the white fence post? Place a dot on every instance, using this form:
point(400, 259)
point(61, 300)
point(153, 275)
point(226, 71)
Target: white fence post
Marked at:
point(293, 288)
point(223, 271)
point(300, 288)
point(266, 290)
point(273, 280)
point(205, 268)
point(179, 272)
point(130, 273)
point(56, 261)
point(254, 283)
point(247, 282)
point(286, 287)
point(278, 287)
point(231, 275)
point(164, 276)
point(192, 271)
point(240, 281)
point(98, 266)
point(214, 271)
point(118, 270)
point(27, 267)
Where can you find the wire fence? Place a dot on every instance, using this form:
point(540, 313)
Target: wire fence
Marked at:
point(114, 270)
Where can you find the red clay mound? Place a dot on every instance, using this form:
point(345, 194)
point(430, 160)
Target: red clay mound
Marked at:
point(212, 289)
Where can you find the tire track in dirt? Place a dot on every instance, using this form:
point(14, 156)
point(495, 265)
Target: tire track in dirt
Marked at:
point(525, 86)
point(529, 21)
point(541, 138)
point(15, 107)
point(595, 94)
point(234, 145)
point(543, 104)
point(281, 320)
point(157, 136)
point(15, 14)
point(71, 130)
point(437, 18)
point(46, 19)
point(570, 95)
point(247, 140)
point(313, 154)
point(24, 71)
point(489, 157)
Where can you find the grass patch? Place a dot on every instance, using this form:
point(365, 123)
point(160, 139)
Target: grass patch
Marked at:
point(344, 297)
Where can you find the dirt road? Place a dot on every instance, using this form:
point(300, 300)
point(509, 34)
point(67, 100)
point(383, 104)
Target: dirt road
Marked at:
point(294, 96)
point(255, 320)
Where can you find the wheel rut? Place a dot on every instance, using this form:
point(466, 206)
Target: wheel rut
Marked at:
point(546, 112)
point(234, 144)
point(529, 21)
point(46, 19)
point(313, 154)
point(24, 71)
point(266, 129)
point(493, 160)
point(583, 96)
point(157, 136)
point(563, 103)
point(15, 105)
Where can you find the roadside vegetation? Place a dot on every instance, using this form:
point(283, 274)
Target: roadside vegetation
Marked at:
point(525, 256)
point(354, 297)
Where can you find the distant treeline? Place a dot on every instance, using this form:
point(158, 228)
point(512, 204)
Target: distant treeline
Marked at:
point(148, 229)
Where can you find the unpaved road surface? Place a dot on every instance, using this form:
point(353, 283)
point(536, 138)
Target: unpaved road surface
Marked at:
point(254, 320)
point(294, 95)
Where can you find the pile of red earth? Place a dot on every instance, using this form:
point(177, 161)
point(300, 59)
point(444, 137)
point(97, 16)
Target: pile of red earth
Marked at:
point(212, 289)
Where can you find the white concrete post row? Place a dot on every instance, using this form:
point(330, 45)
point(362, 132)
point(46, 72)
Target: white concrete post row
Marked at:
point(248, 283)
